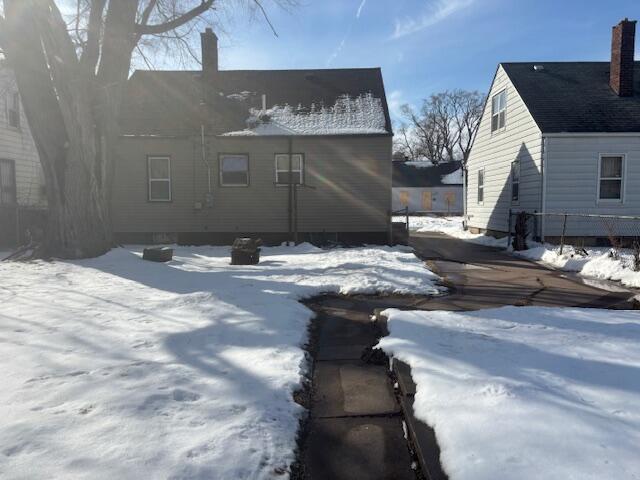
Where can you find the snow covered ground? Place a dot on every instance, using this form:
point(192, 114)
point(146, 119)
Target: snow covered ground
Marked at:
point(118, 368)
point(597, 264)
point(450, 226)
point(526, 393)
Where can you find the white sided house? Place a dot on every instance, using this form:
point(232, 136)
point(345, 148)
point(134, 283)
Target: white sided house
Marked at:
point(22, 194)
point(559, 137)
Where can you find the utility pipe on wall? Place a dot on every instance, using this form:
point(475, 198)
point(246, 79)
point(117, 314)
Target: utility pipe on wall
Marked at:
point(209, 199)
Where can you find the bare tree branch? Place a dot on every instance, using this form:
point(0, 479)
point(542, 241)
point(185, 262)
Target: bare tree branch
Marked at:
point(176, 22)
point(91, 51)
point(266, 17)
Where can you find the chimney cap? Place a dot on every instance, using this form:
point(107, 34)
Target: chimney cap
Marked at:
point(209, 31)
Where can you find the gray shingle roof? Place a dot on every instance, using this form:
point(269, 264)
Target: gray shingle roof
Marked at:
point(408, 175)
point(170, 102)
point(575, 97)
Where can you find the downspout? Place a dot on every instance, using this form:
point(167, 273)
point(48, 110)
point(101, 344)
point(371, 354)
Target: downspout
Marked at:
point(543, 195)
point(205, 161)
point(464, 196)
point(290, 209)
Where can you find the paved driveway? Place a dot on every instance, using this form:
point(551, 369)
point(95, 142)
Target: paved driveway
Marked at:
point(485, 277)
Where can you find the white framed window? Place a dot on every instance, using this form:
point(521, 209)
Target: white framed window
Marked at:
point(234, 170)
point(611, 178)
point(515, 181)
point(282, 169)
point(498, 111)
point(159, 169)
point(13, 109)
point(481, 185)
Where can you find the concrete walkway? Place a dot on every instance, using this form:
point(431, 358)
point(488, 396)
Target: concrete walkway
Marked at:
point(355, 429)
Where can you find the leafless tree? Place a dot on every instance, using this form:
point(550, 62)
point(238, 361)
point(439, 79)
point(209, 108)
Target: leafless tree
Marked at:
point(444, 127)
point(71, 60)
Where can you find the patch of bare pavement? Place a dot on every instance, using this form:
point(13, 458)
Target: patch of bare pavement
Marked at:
point(360, 426)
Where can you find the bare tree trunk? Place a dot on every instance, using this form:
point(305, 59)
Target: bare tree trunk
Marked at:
point(72, 120)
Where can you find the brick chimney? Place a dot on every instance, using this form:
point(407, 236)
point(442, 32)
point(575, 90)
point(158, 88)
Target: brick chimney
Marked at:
point(209, 43)
point(622, 53)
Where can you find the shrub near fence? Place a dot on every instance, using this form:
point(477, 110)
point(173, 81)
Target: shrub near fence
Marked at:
point(578, 229)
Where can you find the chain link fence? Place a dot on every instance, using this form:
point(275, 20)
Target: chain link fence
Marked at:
point(578, 230)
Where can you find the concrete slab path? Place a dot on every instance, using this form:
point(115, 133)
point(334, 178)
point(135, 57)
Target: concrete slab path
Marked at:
point(356, 429)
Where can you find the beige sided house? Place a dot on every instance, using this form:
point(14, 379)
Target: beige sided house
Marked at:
point(22, 192)
point(207, 156)
point(559, 137)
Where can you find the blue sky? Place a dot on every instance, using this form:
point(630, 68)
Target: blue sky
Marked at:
point(426, 46)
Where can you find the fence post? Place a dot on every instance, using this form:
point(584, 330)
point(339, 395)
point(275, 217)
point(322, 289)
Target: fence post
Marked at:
point(509, 230)
point(564, 229)
point(535, 226)
point(406, 212)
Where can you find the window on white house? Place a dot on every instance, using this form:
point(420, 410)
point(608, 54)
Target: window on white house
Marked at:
point(13, 109)
point(159, 179)
point(282, 169)
point(234, 170)
point(7, 182)
point(515, 181)
point(481, 185)
point(498, 110)
point(611, 177)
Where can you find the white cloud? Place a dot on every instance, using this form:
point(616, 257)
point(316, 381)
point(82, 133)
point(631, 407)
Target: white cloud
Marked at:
point(360, 8)
point(436, 11)
point(337, 51)
point(395, 100)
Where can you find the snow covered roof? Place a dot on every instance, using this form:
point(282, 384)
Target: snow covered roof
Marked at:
point(416, 175)
point(348, 116)
point(453, 178)
point(172, 102)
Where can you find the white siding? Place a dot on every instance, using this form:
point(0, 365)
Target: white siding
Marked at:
point(519, 140)
point(572, 181)
point(16, 144)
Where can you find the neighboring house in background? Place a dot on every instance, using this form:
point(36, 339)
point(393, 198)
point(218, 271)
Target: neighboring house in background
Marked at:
point(204, 156)
point(559, 137)
point(22, 193)
point(426, 188)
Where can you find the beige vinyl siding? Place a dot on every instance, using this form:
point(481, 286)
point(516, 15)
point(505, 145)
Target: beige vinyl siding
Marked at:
point(572, 180)
point(495, 151)
point(16, 144)
point(347, 186)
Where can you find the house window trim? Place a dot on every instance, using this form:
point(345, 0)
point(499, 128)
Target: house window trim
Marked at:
point(480, 170)
point(15, 182)
point(9, 96)
point(301, 171)
point(169, 180)
point(234, 185)
point(599, 178)
point(504, 127)
point(517, 200)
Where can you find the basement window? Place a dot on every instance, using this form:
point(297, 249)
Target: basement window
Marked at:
point(159, 179)
point(282, 169)
point(515, 181)
point(498, 111)
point(610, 178)
point(481, 185)
point(13, 109)
point(234, 170)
